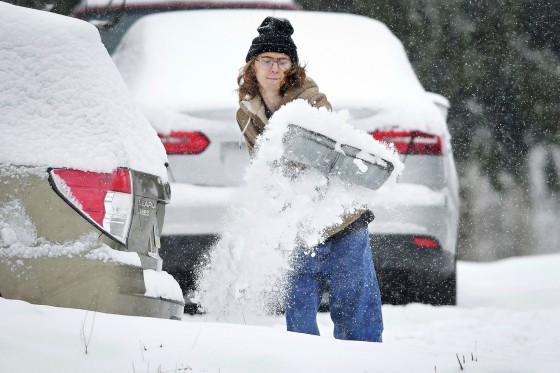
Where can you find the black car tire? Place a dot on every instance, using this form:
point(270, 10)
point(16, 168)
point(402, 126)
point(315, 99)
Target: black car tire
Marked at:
point(437, 293)
point(444, 293)
point(399, 287)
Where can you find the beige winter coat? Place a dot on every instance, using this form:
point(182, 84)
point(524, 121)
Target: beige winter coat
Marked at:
point(252, 120)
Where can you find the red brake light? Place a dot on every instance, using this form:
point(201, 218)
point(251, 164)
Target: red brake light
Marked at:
point(181, 142)
point(426, 242)
point(103, 198)
point(120, 181)
point(411, 142)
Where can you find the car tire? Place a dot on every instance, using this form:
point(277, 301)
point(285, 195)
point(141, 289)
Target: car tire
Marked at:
point(394, 286)
point(437, 293)
point(445, 293)
point(400, 288)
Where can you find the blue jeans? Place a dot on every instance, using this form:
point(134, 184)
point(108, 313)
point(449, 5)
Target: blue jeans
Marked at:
point(346, 265)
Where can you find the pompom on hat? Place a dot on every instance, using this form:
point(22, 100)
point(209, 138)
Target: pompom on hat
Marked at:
point(274, 36)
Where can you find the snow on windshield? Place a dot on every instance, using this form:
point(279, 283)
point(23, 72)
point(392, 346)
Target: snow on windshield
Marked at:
point(64, 103)
point(189, 61)
point(276, 212)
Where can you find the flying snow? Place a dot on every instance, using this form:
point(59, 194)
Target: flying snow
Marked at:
point(280, 209)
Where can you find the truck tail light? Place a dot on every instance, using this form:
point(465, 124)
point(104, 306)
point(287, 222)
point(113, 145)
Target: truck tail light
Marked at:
point(411, 142)
point(104, 199)
point(426, 242)
point(181, 142)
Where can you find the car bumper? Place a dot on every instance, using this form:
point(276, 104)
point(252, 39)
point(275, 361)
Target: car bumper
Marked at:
point(84, 284)
point(418, 213)
point(196, 210)
point(397, 253)
point(184, 254)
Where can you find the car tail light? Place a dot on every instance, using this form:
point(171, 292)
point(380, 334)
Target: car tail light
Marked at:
point(411, 142)
point(426, 242)
point(181, 142)
point(105, 199)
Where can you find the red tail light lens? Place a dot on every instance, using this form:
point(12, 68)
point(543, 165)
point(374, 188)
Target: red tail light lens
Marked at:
point(105, 199)
point(426, 242)
point(184, 142)
point(411, 142)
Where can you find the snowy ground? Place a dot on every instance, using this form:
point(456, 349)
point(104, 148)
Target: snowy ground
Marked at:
point(507, 320)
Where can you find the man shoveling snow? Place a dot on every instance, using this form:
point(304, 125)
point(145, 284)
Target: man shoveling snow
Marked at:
point(294, 230)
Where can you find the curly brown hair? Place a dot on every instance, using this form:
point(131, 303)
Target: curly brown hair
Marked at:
point(249, 86)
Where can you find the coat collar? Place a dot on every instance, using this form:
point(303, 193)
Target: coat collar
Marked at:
point(255, 106)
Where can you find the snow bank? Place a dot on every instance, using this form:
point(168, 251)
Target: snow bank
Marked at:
point(506, 328)
point(162, 285)
point(64, 103)
point(279, 210)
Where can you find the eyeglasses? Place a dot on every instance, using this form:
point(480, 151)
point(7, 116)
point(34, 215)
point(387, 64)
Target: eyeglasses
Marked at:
point(267, 63)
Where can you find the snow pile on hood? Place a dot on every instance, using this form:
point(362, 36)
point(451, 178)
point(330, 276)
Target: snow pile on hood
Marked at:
point(280, 210)
point(64, 103)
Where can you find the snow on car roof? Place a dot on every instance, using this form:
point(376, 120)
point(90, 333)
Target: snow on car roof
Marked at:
point(64, 103)
point(189, 60)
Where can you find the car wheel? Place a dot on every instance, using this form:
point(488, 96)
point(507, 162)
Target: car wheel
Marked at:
point(394, 286)
point(400, 287)
point(437, 293)
point(445, 292)
point(447, 295)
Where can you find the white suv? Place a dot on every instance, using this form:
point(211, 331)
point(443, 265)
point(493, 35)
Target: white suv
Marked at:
point(187, 84)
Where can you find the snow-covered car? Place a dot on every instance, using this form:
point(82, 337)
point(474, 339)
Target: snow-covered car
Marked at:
point(113, 18)
point(186, 86)
point(83, 181)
